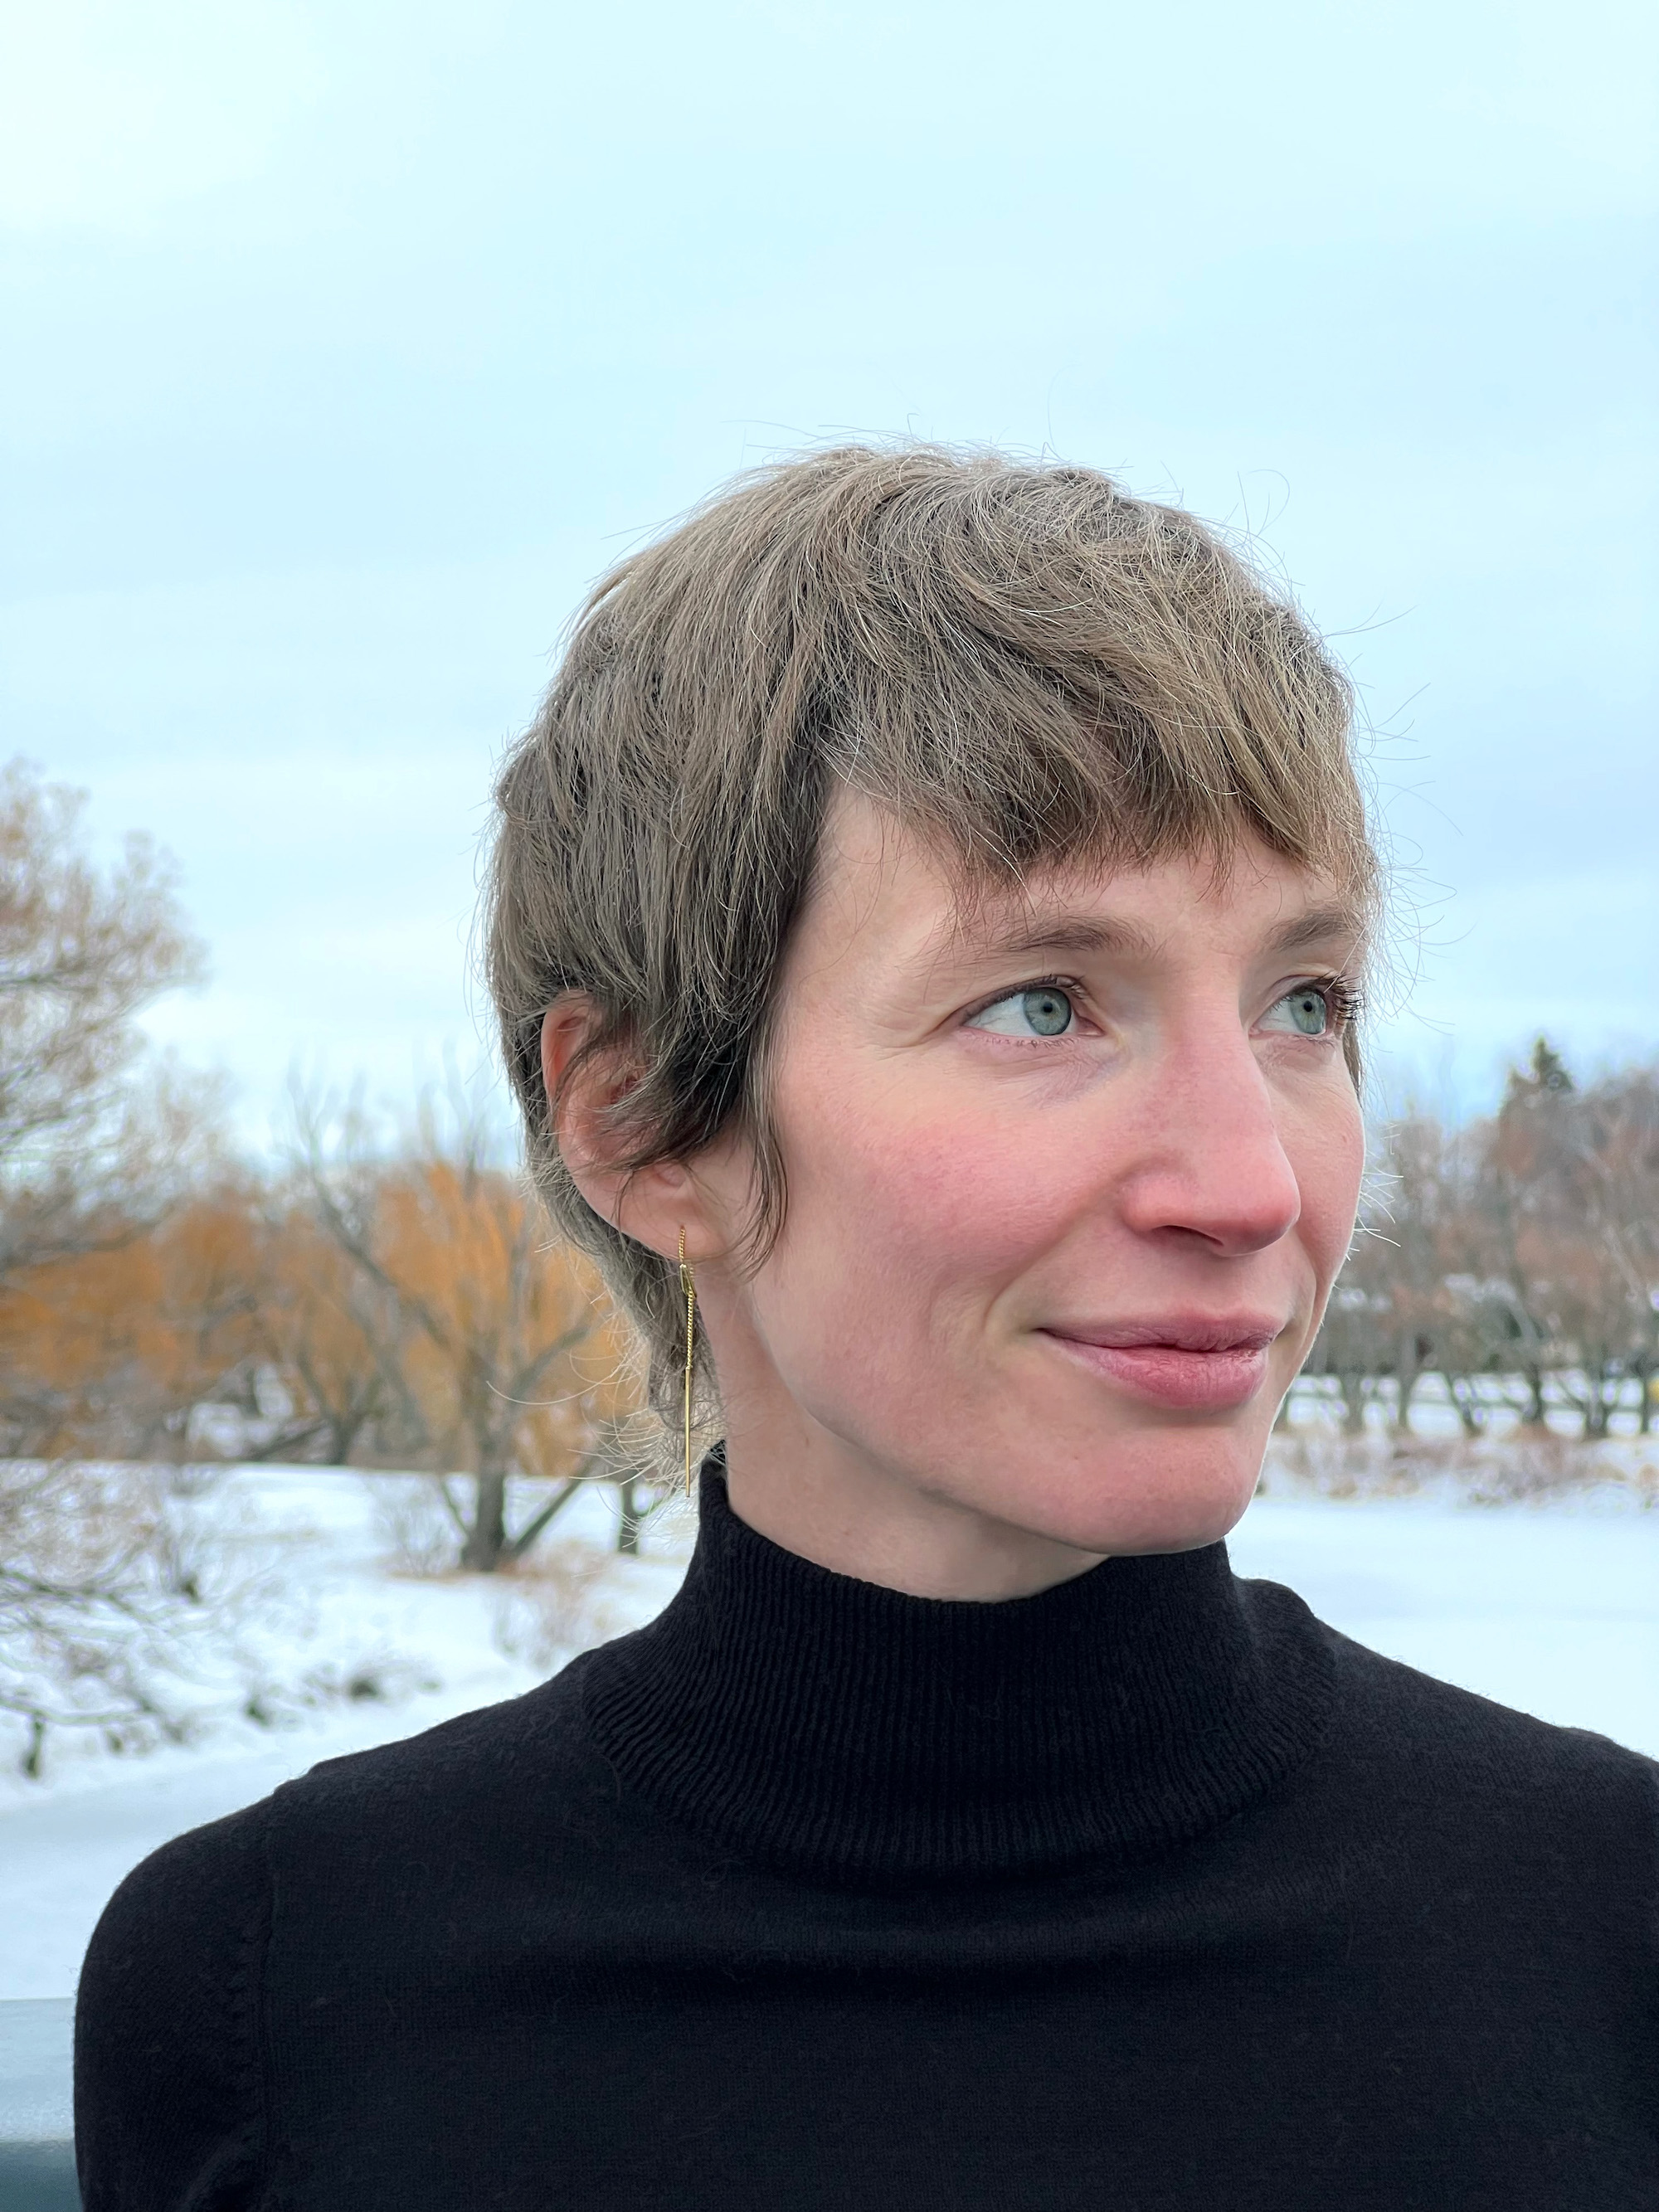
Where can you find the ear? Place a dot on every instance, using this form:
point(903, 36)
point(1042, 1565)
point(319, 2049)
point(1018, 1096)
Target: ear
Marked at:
point(653, 1205)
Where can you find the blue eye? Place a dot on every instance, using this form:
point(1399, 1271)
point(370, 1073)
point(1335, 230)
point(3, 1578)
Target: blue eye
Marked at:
point(1042, 1012)
point(1306, 1011)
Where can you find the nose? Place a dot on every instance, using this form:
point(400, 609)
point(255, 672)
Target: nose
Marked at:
point(1213, 1165)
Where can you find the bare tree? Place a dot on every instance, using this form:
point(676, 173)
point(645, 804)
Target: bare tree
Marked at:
point(496, 1355)
point(1356, 1340)
point(1598, 1240)
point(328, 1331)
point(85, 1146)
point(1512, 1222)
point(1415, 1212)
point(95, 1147)
point(1517, 1256)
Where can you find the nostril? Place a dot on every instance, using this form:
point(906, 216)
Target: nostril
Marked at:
point(1233, 1203)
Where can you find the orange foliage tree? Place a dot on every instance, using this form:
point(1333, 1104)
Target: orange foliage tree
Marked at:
point(496, 1354)
point(114, 1346)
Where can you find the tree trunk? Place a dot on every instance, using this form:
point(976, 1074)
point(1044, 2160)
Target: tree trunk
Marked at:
point(1598, 1405)
point(518, 1546)
point(1468, 1404)
point(630, 1520)
point(1537, 1414)
point(1407, 1374)
point(1352, 1387)
point(486, 1538)
point(343, 1431)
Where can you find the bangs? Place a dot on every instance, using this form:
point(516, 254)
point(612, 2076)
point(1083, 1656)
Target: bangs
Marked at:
point(1044, 673)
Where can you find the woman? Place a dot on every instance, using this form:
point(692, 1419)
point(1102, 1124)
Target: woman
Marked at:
point(928, 923)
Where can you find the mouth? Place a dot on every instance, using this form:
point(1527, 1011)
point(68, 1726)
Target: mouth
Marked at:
point(1188, 1363)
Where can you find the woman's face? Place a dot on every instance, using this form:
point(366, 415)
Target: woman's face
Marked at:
point(1070, 1172)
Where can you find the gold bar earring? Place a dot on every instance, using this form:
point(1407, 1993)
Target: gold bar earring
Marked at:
point(689, 1288)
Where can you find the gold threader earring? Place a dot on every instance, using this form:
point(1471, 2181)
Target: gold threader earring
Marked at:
point(689, 1288)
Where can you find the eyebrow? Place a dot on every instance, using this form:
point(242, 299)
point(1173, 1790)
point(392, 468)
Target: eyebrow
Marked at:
point(1317, 926)
point(1063, 934)
point(1126, 939)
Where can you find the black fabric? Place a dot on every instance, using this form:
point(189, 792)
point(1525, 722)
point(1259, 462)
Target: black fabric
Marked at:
point(1147, 1892)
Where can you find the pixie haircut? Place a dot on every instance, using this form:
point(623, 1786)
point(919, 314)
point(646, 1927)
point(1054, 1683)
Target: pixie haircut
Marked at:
point(1018, 661)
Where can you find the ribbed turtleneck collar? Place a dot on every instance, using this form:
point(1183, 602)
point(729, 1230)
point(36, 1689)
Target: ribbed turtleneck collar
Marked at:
point(819, 1722)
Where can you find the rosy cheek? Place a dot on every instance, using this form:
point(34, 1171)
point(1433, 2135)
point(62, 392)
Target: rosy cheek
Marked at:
point(956, 1201)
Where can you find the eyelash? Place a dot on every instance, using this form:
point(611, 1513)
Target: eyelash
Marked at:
point(1346, 999)
point(1069, 984)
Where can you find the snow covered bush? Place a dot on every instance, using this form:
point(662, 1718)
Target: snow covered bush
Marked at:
point(101, 1596)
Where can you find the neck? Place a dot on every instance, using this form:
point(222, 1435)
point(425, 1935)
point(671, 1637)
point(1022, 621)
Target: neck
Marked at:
point(843, 1513)
point(812, 1493)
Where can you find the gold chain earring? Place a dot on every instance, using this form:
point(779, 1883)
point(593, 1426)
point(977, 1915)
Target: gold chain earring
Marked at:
point(689, 1288)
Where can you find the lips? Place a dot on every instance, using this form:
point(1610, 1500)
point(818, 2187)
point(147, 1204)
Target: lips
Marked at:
point(1188, 1363)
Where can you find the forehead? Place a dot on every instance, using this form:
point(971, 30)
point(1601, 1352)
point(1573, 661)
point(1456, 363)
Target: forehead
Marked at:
point(881, 892)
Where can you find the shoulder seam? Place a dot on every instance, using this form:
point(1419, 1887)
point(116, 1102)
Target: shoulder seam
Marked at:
point(249, 2025)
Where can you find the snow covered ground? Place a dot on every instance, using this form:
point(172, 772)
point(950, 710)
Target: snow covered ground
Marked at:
point(1553, 1607)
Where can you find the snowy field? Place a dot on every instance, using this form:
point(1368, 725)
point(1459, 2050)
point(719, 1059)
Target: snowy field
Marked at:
point(1551, 1607)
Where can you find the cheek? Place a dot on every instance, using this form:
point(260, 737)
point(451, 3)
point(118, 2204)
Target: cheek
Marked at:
point(1329, 1162)
point(904, 1214)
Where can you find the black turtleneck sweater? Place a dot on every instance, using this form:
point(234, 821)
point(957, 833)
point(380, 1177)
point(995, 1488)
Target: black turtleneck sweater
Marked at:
point(1144, 1893)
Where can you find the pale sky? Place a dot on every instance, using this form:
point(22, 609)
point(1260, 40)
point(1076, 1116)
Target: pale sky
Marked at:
point(348, 342)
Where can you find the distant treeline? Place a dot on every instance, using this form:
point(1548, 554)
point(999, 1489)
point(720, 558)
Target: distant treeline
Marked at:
point(1515, 1257)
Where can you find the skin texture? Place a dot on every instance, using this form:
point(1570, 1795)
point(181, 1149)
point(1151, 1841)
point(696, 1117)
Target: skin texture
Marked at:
point(914, 1389)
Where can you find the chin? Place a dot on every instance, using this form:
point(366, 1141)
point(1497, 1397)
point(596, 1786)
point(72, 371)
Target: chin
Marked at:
point(1165, 1491)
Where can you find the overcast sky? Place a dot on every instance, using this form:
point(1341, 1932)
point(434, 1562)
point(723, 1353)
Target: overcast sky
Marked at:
point(347, 342)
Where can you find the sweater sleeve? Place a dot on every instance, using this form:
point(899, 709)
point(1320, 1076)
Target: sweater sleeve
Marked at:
point(169, 2103)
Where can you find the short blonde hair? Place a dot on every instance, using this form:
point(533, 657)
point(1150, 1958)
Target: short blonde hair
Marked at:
point(1018, 660)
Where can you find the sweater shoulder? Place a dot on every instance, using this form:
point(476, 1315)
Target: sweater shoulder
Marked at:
point(537, 1745)
point(168, 2099)
point(1433, 1741)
